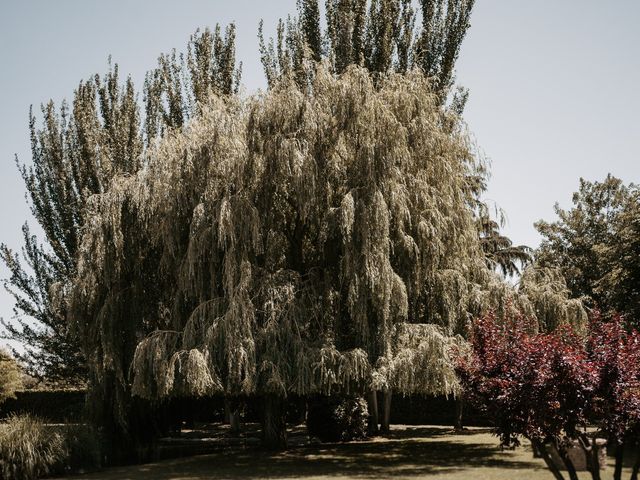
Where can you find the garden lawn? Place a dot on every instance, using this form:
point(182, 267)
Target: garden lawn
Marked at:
point(407, 452)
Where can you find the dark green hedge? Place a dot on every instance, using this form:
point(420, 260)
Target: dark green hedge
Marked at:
point(68, 405)
point(55, 406)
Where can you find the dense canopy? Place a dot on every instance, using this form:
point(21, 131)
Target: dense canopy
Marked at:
point(277, 244)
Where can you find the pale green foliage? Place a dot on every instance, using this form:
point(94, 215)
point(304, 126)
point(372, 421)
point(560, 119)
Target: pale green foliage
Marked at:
point(551, 300)
point(420, 362)
point(10, 376)
point(162, 369)
point(76, 153)
point(294, 231)
point(175, 89)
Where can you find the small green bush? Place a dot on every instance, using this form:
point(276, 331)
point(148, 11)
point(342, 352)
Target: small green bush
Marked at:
point(334, 419)
point(28, 449)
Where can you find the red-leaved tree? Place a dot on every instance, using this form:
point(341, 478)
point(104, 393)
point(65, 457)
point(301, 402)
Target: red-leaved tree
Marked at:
point(548, 387)
point(614, 350)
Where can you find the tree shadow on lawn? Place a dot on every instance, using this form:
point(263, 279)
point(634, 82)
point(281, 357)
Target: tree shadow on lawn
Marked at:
point(377, 458)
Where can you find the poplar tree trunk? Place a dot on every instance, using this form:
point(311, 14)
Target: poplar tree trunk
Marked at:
point(373, 413)
point(274, 425)
point(386, 412)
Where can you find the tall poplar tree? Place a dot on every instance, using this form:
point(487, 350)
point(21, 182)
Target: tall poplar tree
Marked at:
point(76, 152)
point(380, 35)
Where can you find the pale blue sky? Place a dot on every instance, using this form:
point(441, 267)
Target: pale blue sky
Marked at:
point(553, 84)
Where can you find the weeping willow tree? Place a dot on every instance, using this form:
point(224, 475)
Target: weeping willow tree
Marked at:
point(277, 245)
point(550, 299)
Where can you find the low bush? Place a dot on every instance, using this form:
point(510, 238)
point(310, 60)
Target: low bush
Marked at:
point(83, 450)
point(334, 419)
point(28, 449)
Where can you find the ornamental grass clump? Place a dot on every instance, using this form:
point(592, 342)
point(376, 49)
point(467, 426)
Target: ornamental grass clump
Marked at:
point(29, 449)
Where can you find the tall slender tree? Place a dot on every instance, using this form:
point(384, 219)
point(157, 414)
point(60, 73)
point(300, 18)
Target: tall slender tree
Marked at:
point(380, 35)
point(76, 153)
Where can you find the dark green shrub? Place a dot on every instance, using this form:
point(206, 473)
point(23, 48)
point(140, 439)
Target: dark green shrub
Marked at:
point(334, 419)
point(52, 406)
point(83, 450)
point(28, 449)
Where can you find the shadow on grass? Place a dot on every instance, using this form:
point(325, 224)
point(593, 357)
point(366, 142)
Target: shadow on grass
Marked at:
point(379, 458)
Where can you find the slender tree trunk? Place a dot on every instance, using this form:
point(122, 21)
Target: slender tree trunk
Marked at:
point(564, 455)
point(234, 421)
point(595, 460)
point(373, 413)
point(591, 452)
point(227, 410)
point(636, 465)
point(541, 448)
point(303, 405)
point(232, 413)
point(459, 409)
point(386, 412)
point(617, 472)
point(274, 425)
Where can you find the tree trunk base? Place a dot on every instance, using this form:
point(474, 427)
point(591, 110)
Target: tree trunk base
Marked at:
point(385, 425)
point(274, 425)
point(372, 402)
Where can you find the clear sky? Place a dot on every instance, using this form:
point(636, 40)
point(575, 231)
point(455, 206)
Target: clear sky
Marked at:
point(554, 85)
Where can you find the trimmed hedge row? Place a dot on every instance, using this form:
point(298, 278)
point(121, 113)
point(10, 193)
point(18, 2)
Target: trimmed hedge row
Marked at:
point(58, 406)
point(54, 406)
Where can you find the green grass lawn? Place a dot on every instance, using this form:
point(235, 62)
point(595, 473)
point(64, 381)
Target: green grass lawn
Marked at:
point(407, 452)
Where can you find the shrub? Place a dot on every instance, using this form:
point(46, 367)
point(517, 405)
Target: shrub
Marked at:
point(10, 376)
point(333, 419)
point(83, 450)
point(28, 449)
